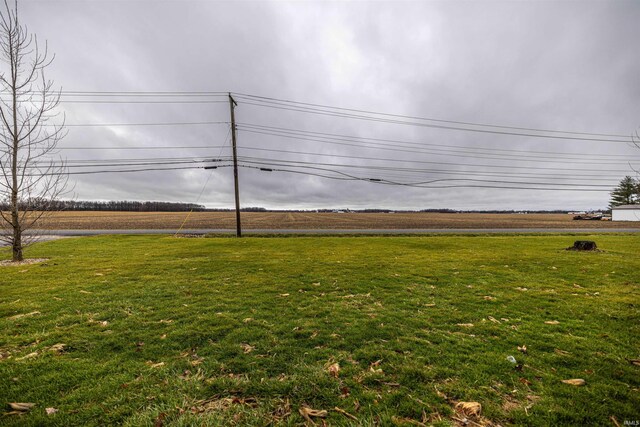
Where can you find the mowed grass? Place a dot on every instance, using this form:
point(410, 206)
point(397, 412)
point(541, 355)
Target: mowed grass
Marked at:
point(221, 331)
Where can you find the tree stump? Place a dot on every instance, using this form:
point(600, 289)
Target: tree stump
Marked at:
point(583, 245)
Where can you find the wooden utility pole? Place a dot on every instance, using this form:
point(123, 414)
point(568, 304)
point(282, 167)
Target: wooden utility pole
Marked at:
point(232, 105)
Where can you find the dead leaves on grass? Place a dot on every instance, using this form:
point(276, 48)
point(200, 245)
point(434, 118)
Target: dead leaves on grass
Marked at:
point(334, 369)
point(19, 316)
point(575, 382)
point(345, 413)
point(246, 348)
point(375, 367)
point(21, 406)
point(469, 414)
point(308, 413)
point(154, 365)
point(469, 409)
point(28, 356)
point(282, 411)
point(221, 404)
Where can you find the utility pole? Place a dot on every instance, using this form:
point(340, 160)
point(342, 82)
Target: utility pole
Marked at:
point(232, 105)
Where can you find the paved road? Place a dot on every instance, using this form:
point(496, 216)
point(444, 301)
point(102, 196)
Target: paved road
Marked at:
point(349, 231)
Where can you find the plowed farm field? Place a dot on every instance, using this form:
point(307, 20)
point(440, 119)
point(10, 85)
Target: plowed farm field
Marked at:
point(310, 220)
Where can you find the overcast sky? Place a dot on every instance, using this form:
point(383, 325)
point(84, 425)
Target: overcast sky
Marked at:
point(568, 66)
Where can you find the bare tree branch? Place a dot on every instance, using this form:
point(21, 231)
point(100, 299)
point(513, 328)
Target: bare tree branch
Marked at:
point(29, 133)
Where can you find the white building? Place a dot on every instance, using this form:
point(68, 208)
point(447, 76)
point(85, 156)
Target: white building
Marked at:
point(625, 213)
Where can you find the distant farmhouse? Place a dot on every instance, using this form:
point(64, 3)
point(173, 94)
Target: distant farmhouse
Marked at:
point(625, 213)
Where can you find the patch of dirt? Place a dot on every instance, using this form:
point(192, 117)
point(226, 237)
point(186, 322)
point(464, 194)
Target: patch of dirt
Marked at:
point(29, 261)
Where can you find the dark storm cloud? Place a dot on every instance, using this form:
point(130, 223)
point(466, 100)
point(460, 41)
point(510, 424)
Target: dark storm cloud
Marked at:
point(553, 65)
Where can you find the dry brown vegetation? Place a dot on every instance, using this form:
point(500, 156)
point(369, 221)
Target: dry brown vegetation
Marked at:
point(304, 220)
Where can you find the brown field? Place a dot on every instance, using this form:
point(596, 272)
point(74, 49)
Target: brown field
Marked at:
point(295, 220)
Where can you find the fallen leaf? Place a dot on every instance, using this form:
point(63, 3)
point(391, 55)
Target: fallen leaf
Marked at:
point(307, 413)
point(155, 365)
point(523, 349)
point(466, 325)
point(470, 409)
point(18, 316)
point(163, 336)
point(247, 348)
point(575, 381)
point(522, 289)
point(334, 370)
point(374, 367)
point(493, 319)
point(21, 407)
point(344, 392)
point(58, 348)
point(635, 362)
point(50, 411)
point(284, 295)
point(28, 356)
point(159, 421)
point(345, 413)
point(489, 298)
point(247, 320)
point(429, 305)
point(551, 322)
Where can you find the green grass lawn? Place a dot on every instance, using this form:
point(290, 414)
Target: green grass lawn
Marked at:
point(219, 331)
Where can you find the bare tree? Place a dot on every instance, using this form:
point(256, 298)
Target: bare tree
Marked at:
point(30, 129)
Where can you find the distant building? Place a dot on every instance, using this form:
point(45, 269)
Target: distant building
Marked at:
point(625, 213)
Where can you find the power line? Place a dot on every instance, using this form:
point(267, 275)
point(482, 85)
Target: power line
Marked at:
point(140, 102)
point(128, 170)
point(589, 175)
point(143, 124)
point(85, 163)
point(424, 151)
point(330, 113)
point(441, 172)
point(346, 177)
point(153, 147)
point(382, 169)
point(284, 101)
point(142, 93)
point(341, 137)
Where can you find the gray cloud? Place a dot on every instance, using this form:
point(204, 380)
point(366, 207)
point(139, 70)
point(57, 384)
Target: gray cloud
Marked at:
point(552, 65)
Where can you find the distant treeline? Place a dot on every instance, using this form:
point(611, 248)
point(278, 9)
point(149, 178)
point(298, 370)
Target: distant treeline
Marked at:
point(125, 206)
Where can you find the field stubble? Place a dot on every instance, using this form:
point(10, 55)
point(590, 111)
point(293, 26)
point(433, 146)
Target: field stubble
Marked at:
point(312, 220)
